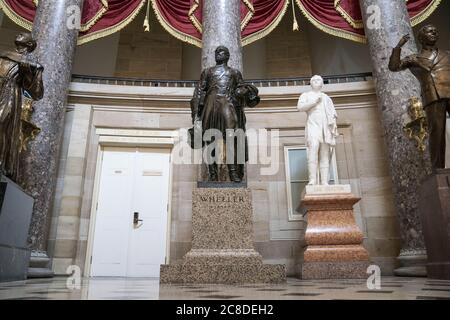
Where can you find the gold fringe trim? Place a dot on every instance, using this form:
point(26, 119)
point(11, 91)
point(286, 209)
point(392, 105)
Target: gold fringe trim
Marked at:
point(330, 30)
point(425, 14)
point(357, 24)
point(174, 32)
point(88, 25)
point(17, 19)
point(295, 26)
point(111, 30)
point(249, 15)
point(147, 18)
point(197, 25)
point(264, 32)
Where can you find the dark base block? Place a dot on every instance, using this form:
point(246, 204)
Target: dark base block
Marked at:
point(434, 206)
point(15, 216)
point(13, 263)
point(335, 270)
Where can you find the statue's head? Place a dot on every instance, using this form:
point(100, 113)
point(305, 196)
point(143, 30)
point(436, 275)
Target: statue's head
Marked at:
point(25, 42)
point(222, 54)
point(428, 35)
point(316, 83)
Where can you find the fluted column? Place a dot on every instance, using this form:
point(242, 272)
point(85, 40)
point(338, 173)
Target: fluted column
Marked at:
point(385, 22)
point(56, 37)
point(222, 26)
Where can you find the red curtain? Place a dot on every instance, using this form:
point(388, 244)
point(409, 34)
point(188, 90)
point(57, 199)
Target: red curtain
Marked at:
point(183, 18)
point(119, 13)
point(343, 17)
point(99, 17)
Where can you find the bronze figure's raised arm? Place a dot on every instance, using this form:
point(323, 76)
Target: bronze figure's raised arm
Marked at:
point(218, 103)
point(20, 79)
point(431, 67)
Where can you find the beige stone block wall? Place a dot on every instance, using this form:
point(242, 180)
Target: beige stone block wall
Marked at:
point(287, 52)
point(149, 55)
point(8, 32)
point(67, 222)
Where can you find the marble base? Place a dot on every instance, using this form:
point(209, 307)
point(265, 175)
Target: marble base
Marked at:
point(413, 264)
point(222, 245)
point(434, 208)
point(16, 208)
point(40, 265)
point(334, 241)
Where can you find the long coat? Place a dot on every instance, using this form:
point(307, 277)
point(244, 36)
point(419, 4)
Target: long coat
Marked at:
point(17, 77)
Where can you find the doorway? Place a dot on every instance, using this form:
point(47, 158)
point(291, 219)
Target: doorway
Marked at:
point(130, 229)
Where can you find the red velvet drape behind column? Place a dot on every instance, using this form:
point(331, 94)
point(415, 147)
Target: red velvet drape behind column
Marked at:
point(183, 18)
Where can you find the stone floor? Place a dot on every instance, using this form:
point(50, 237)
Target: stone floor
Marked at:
point(392, 288)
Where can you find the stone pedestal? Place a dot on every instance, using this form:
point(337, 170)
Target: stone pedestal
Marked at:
point(435, 214)
point(16, 208)
point(222, 243)
point(334, 241)
point(394, 89)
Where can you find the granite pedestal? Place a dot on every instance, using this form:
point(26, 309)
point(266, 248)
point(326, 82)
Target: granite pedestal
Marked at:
point(334, 241)
point(435, 213)
point(16, 208)
point(222, 243)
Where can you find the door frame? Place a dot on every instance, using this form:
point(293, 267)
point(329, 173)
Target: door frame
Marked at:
point(129, 138)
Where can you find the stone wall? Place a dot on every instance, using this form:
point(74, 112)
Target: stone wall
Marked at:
point(149, 55)
point(287, 52)
point(8, 32)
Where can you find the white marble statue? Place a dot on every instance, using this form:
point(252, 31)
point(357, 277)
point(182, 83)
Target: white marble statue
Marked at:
point(321, 131)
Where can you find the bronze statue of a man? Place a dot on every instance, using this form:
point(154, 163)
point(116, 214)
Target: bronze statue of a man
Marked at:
point(18, 76)
point(219, 101)
point(431, 67)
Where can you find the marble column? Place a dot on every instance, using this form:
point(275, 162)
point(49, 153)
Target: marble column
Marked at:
point(222, 26)
point(385, 22)
point(57, 40)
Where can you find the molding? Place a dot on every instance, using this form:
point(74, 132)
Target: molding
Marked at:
point(176, 99)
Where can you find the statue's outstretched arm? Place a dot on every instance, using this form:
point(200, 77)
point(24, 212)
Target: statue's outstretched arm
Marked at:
point(396, 63)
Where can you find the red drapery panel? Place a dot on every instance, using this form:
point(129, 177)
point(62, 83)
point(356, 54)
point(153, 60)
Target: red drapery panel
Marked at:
point(343, 17)
point(183, 18)
point(99, 17)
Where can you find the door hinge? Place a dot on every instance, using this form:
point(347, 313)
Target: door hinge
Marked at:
point(96, 207)
point(91, 259)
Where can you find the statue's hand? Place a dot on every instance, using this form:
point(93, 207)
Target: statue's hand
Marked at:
point(318, 101)
point(403, 40)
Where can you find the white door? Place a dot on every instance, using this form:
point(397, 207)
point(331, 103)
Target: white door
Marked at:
point(134, 183)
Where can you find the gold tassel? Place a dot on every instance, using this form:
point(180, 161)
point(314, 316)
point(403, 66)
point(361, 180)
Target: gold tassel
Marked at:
point(295, 26)
point(147, 18)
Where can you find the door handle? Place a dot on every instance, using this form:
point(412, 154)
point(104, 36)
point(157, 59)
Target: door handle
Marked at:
point(136, 220)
